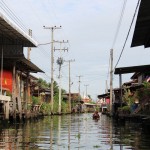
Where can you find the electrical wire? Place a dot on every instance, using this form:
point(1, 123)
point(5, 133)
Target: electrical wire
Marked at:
point(11, 14)
point(119, 23)
point(117, 32)
point(108, 69)
point(128, 33)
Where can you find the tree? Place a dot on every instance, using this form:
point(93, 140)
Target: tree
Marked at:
point(42, 83)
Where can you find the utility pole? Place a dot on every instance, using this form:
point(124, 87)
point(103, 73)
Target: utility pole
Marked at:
point(111, 80)
point(69, 101)
point(60, 62)
point(86, 89)
point(52, 63)
point(79, 82)
point(29, 48)
point(64, 49)
point(106, 90)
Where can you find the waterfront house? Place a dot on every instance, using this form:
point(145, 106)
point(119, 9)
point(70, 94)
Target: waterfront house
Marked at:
point(15, 68)
point(103, 101)
point(42, 93)
point(76, 101)
point(141, 75)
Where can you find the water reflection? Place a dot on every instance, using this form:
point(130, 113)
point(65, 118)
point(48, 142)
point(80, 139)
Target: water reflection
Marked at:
point(51, 132)
point(74, 132)
point(69, 124)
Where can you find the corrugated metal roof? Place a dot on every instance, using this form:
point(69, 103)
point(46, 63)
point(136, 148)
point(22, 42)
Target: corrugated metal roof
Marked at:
point(132, 69)
point(22, 64)
point(10, 33)
point(103, 95)
point(142, 28)
point(27, 65)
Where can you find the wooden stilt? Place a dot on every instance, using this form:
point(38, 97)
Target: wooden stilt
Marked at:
point(14, 93)
point(18, 96)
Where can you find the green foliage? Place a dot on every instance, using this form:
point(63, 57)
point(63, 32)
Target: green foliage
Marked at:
point(127, 97)
point(144, 92)
point(97, 108)
point(92, 102)
point(146, 85)
point(56, 88)
point(126, 108)
point(78, 136)
point(96, 146)
point(29, 107)
point(46, 108)
point(8, 93)
point(64, 106)
point(35, 100)
point(43, 84)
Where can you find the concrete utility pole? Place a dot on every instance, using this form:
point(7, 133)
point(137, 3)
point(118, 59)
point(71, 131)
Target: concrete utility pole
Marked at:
point(29, 48)
point(61, 49)
point(106, 90)
point(52, 63)
point(69, 101)
point(111, 80)
point(60, 62)
point(86, 89)
point(79, 82)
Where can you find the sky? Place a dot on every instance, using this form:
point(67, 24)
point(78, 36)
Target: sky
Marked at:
point(90, 28)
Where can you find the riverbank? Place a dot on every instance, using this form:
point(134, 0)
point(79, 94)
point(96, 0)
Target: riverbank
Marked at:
point(142, 119)
point(74, 131)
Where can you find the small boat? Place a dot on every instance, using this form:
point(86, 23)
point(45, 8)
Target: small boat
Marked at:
point(96, 115)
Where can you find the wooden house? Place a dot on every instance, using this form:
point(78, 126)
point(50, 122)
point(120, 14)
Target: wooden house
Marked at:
point(103, 101)
point(76, 101)
point(42, 93)
point(15, 68)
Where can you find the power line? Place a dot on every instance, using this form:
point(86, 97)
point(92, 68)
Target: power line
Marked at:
point(119, 23)
point(108, 68)
point(128, 33)
point(79, 82)
point(11, 14)
point(117, 31)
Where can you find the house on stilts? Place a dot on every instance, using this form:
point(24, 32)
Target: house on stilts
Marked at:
point(15, 69)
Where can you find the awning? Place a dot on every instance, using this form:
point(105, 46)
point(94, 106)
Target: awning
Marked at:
point(22, 64)
point(12, 34)
point(103, 95)
point(27, 65)
point(132, 69)
point(142, 28)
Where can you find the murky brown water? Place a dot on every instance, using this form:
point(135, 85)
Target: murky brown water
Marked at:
point(74, 132)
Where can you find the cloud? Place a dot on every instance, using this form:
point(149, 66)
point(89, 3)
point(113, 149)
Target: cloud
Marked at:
point(90, 27)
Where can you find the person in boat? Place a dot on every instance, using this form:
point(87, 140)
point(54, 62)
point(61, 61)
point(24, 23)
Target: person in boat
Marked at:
point(96, 115)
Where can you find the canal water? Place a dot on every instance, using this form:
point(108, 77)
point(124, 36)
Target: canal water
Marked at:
point(74, 132)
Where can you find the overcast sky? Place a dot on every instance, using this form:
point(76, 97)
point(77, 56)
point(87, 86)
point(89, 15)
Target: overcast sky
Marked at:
point(90, 27)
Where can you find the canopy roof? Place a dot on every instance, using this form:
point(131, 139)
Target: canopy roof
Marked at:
point(142, 29)
point(11, 34)
point(27, 65)
point(132, 69)
point(103, 95)
point(22, 64)
point(12, 41)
